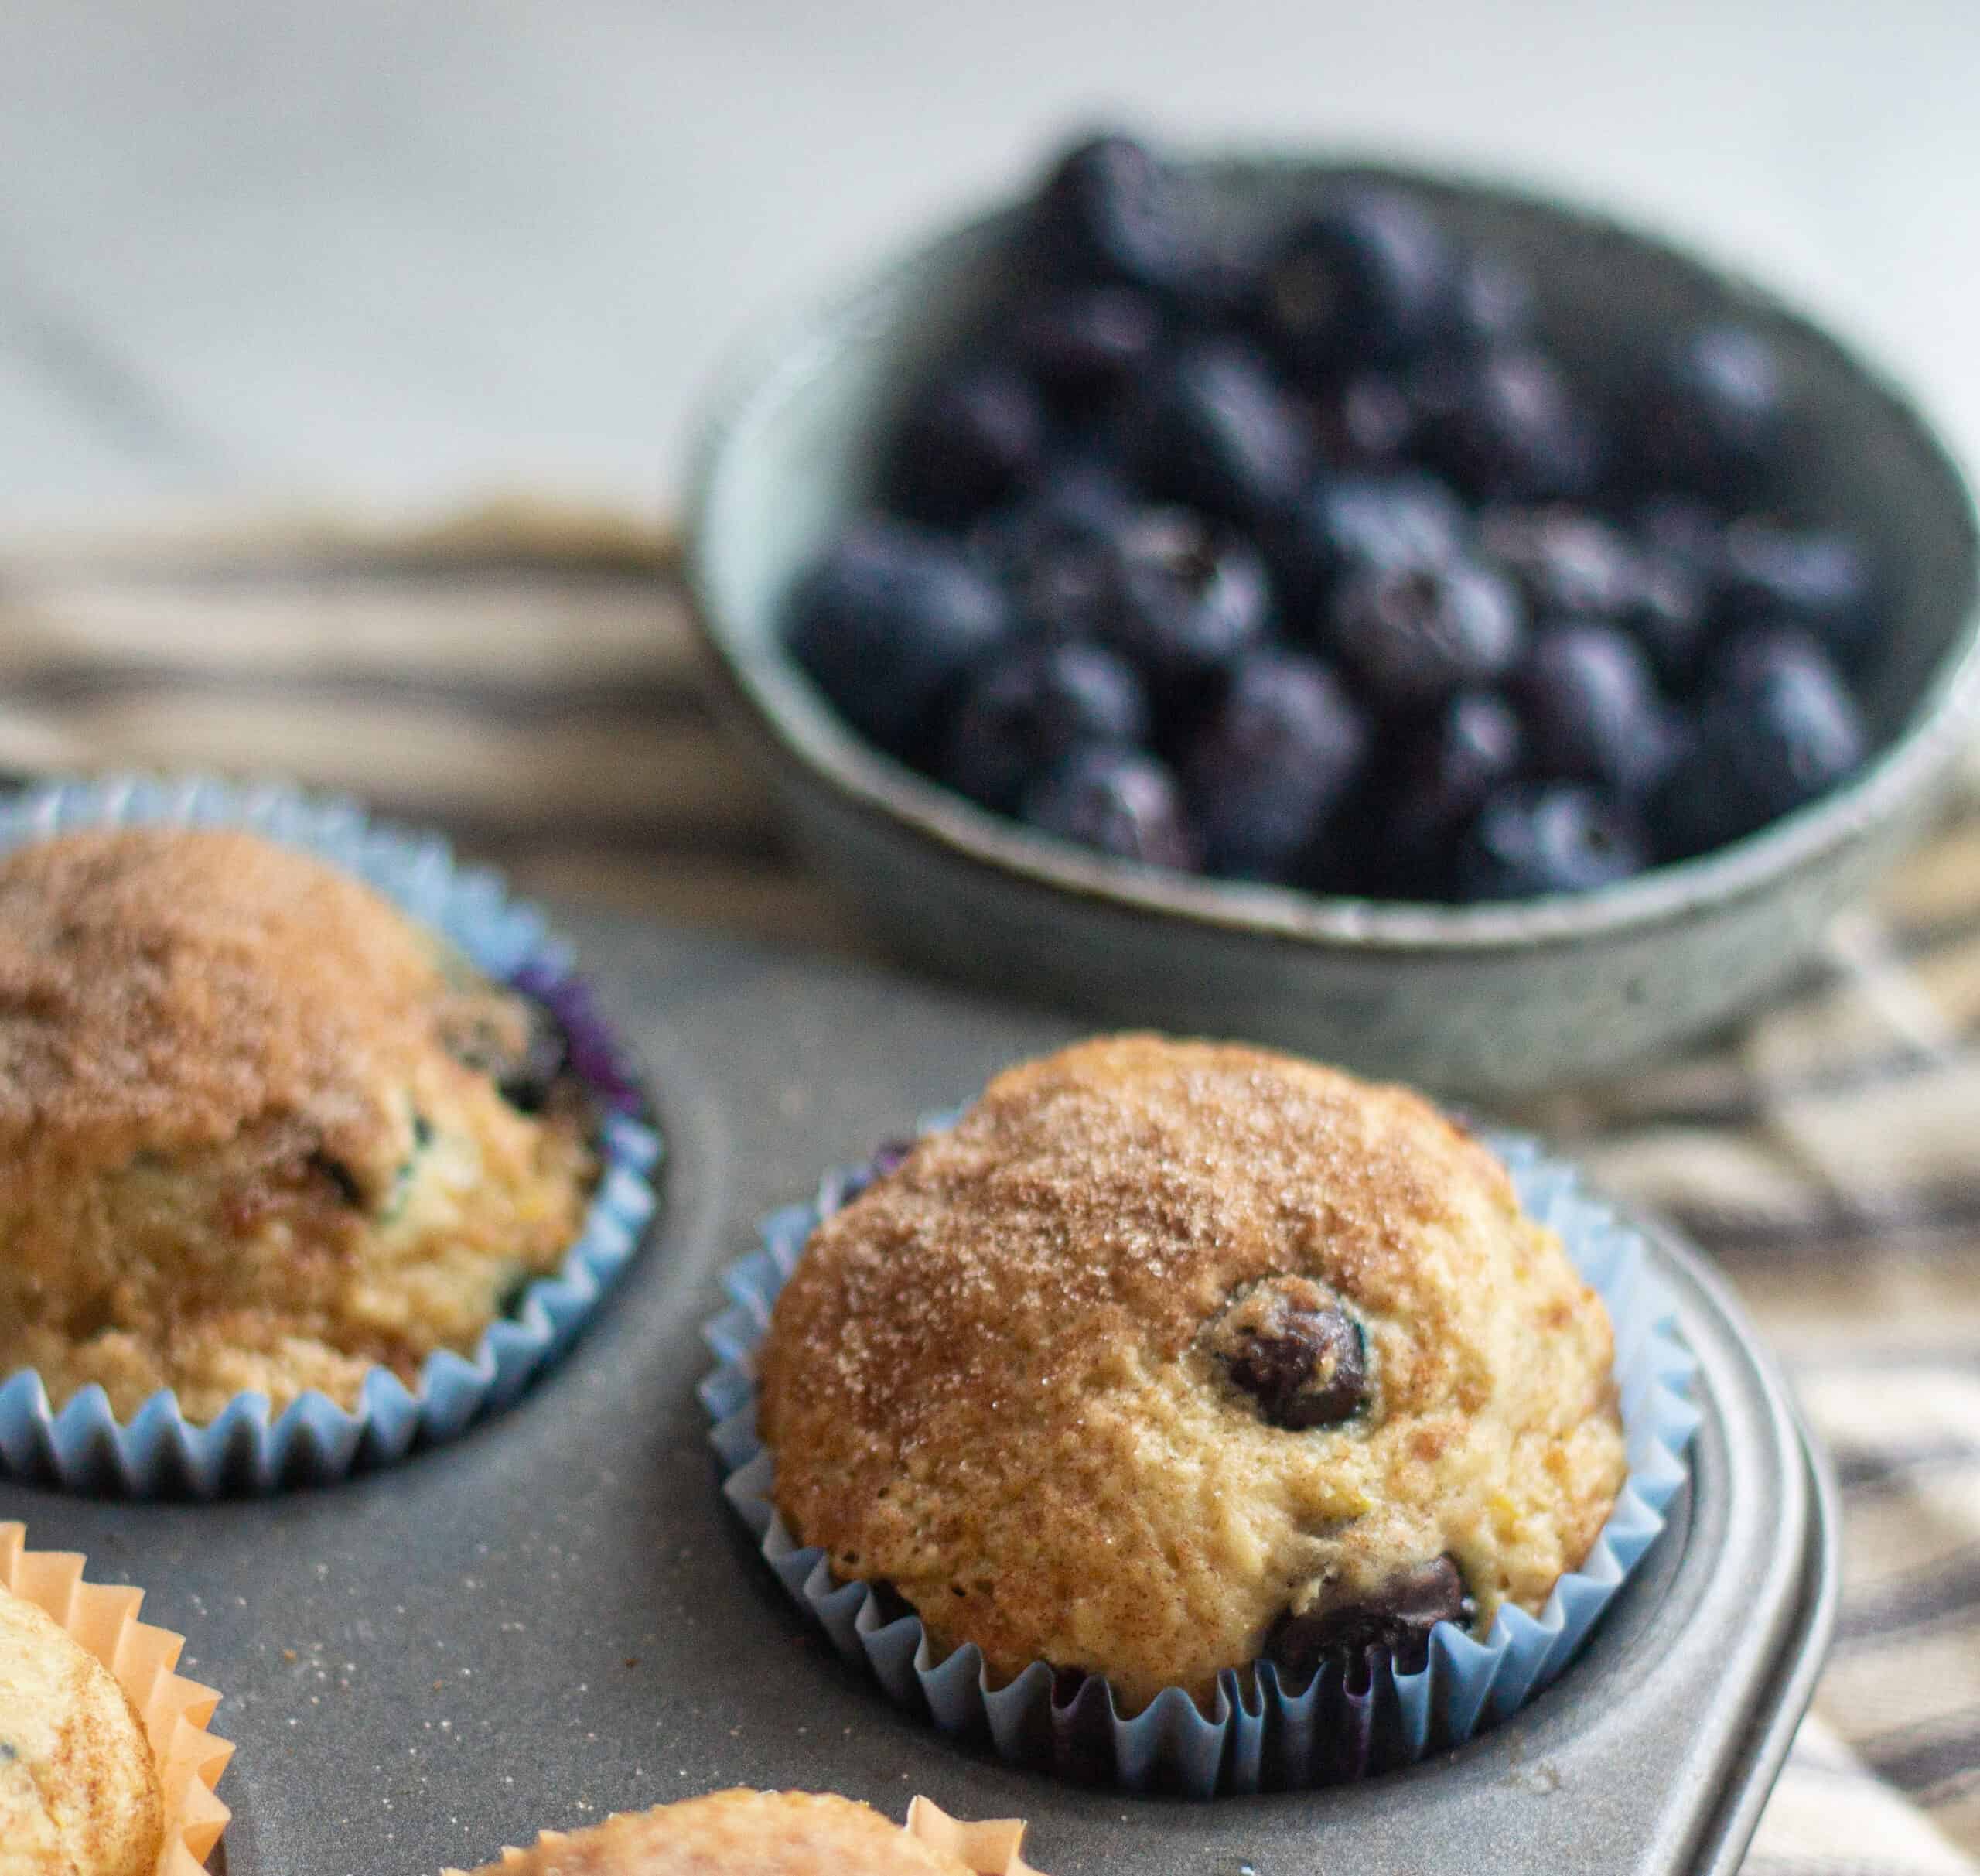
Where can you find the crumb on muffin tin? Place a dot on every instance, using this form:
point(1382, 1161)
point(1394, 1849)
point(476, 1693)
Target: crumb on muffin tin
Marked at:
point(1001, 1380)
point(260, 1131)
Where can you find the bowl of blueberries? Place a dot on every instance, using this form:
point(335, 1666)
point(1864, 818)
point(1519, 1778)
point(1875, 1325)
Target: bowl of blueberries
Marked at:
point(1393, 616)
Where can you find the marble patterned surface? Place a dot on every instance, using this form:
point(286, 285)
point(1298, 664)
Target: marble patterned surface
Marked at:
point(266, 254)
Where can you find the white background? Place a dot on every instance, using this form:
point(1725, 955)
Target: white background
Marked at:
point(388, 258)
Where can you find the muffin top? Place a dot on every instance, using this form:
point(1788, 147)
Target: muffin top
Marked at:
point(162, 988)
point(1171, 1356)
point(738, 1833)
point(257, 1128)
point(79, 1785)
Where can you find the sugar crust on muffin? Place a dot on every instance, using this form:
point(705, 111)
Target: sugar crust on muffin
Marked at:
point(253, 1132)
point(1002, 1379)
point(79, 1783)
point(737, 1833)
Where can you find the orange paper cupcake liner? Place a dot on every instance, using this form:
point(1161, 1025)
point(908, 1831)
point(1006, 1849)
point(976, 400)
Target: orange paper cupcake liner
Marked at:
point(103, 1620)
point(990, 1849)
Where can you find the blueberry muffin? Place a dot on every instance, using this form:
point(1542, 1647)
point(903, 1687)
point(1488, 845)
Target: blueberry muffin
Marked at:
point(1170, 1357)
point(749, 1833)
point(257, 1130)
point(79, 1784)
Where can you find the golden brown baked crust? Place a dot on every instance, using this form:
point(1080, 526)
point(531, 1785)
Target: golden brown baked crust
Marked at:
point(995, 1379)
point(738, 1833)
point(79, 1785)
point(251, 1134)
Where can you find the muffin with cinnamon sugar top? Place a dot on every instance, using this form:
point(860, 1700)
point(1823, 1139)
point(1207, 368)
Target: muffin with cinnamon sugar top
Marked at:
point(739, 1833)
point(258, 1130)
point(79, 1793)
point(1171, 1357)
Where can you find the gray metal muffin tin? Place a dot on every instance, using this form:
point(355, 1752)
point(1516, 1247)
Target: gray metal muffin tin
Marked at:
point(557, 1617)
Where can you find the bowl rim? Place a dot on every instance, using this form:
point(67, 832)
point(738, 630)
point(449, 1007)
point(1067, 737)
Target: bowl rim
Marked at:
point(767, 688)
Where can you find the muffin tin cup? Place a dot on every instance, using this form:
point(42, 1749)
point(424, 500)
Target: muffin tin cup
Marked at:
point(1259, 1734)
point(247, 1449)
point(103, 1619)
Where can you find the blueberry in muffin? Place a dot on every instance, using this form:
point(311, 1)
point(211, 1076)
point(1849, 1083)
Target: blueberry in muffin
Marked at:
point(260, 1131)
point(79, 1783)
point(1171, 1357)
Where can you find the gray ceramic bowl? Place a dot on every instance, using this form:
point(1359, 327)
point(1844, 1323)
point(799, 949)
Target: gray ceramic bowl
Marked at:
point(1483, 1000)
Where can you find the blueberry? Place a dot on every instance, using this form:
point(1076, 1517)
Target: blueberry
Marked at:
point(1711, 414)
point(1413, 634)
point(1077, 499)
point(1117, 801)
point(1364, 421)
point(1397, 1619)
point(1505, 425)
point(1753, 652)
point(1495, 304)
point(1110, 212)
point(1067, 588)
point(342, 1180)
point(1369, 279)
point(1024, 710)
point(1680, 550)
point(1589, 701)
point(1441, 778)
point(1824, 581)
point(1289, 1346)
point(1272, 762)
point(1570, 562)
point(973, 439)
point(1082, 344)
point(1069, 592)
point(1565, 559)
point(1669, 615)
point(1778, 731)
point(886, 621)
point(528, 1083)
point(1350, 523)
point(1530, 839)
point(1209, 427)
point(1191, 598)
point(1221, 289)
point(1056, 551)
point(1687, 532)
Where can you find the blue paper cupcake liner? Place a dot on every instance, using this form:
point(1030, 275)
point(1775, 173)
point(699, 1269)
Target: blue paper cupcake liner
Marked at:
point(1259, 1735)
point(158, 1453)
